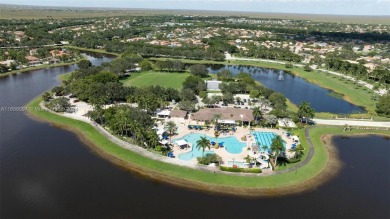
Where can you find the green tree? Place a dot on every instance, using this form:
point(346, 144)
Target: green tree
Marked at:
point(60, 104)
point(84, 64)
point(277, 147)
point(171, 128)
point(298, 151)
point(257, 113)
point(199, 70)
point(202, 144)
point(145, 65)
point(307, 68)
point(187, 105)
point(305, 111)
point(225, 75)
point(383, 105)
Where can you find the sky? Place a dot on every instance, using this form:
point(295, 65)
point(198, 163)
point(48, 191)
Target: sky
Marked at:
point(342, 7)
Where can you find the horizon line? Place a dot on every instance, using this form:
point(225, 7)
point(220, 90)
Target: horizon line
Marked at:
point(189, 10)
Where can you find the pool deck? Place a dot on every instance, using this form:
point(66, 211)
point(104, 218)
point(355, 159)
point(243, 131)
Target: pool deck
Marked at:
point(222, 152)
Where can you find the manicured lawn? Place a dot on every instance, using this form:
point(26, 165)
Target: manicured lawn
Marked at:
point(164, 79)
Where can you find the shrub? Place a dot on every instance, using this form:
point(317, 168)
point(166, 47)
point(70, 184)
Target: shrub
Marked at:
point(209, 158)
point(237, 170)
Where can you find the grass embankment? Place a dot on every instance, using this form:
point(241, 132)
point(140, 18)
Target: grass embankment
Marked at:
point(164, 79)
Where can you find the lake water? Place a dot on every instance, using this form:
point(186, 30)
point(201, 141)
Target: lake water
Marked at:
point(294, 88)
point(47, 172)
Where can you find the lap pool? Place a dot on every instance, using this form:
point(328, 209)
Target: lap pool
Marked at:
point(231, 144)
point(264, 139)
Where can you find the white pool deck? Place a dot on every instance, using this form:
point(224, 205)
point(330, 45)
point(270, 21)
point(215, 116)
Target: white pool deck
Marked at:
point(222, 152)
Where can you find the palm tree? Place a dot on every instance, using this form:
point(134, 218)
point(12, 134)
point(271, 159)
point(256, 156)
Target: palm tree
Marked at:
point(153, 138)
point(277, 147)
point(203, 143)
point(256, 112)
point(171, 129)
point(216, 117)
point(298, 151)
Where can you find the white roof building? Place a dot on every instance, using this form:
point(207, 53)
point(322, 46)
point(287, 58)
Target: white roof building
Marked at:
point(213, 85)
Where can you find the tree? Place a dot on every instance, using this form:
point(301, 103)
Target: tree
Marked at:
point(199, 70)
point(216, 117)
point(60, 104)
point(194, 83)
point(46, 96)
point(271, 120)
point(58, 90)
point(187, 94)
point(305, 111)
point(277, 147)
point(171, 129)
point(225, 75)
point(278, 100)
point(383, 105)
point(307, 68)
point(187, 105)
point(256, 112)
point(145, 65)
point(84, 64)
point(202, 144)
point(298, 151)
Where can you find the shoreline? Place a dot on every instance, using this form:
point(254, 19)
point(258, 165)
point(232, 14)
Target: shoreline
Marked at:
point(37, 68)
point(324, 174)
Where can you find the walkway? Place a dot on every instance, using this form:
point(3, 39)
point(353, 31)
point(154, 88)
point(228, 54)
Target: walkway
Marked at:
point(308, 158)
point(341, 122)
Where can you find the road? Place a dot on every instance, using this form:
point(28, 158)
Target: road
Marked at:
point(363, 123)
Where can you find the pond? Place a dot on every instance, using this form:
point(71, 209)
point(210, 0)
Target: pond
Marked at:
point(294, 88)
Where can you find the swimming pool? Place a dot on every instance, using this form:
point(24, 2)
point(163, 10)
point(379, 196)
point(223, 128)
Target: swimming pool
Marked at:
point(231, 144)
point(265, 139)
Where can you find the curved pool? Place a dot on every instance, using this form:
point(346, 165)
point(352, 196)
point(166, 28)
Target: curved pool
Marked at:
point(231, 144)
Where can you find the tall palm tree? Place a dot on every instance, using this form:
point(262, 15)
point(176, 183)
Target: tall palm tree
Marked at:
point(277, 147)
point(171, 129)
point(298, 151)
point(216, 117)
point(203, 143)
point(256, 112)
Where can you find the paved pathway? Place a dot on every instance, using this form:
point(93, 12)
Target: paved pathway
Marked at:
point(308, 158)
point(362, 123)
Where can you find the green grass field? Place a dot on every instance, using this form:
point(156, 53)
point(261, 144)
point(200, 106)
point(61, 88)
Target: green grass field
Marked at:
point(164, 79)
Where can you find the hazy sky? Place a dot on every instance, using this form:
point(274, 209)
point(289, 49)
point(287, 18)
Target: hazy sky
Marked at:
point(347, 7)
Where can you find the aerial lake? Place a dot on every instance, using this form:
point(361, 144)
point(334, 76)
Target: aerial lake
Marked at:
point(47, 172)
